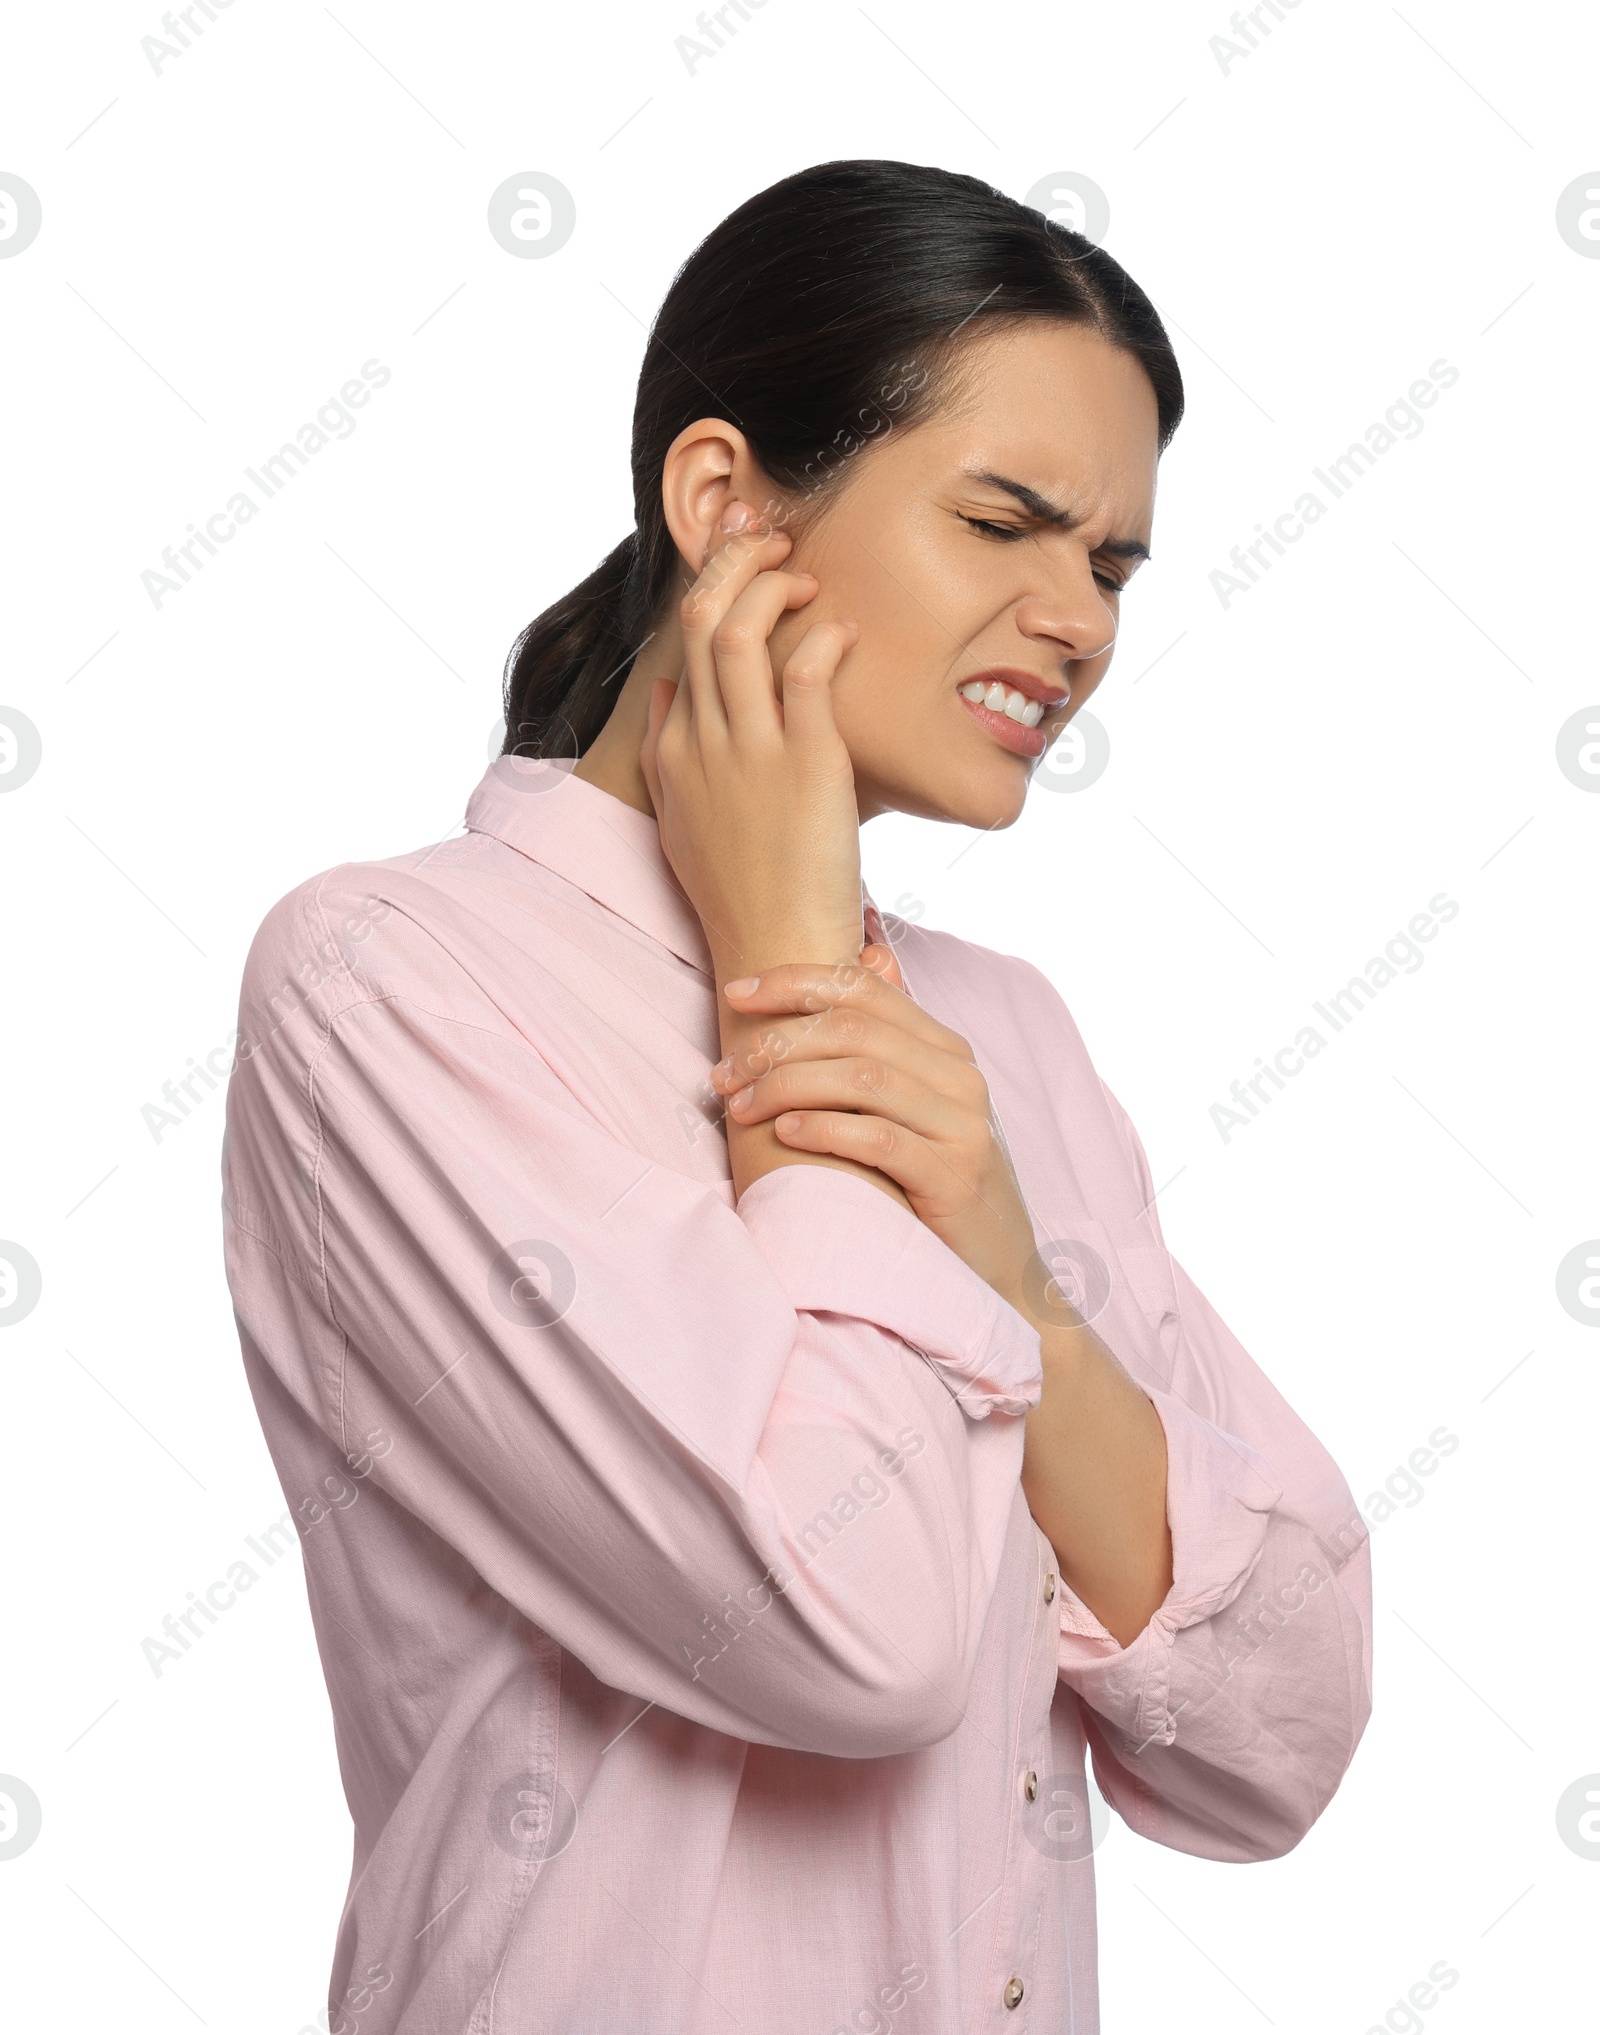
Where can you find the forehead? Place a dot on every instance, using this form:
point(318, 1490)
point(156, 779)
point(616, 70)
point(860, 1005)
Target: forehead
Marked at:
point(1054, 405)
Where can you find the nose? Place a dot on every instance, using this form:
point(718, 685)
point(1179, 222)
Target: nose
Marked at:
point(1072, 615)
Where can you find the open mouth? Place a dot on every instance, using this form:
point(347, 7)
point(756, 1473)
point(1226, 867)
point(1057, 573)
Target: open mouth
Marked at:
point(1004, 699)
point(1009, 714)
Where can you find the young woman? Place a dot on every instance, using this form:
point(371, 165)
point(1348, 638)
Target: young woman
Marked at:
point(746, 1433)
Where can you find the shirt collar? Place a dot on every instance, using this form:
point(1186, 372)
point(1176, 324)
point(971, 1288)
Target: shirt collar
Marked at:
point(608, 849)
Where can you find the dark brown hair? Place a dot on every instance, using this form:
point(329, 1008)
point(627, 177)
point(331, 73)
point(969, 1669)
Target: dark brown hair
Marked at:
point(826, 306)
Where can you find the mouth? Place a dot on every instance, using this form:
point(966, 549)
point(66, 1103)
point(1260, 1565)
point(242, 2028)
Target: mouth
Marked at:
point(1010, 713)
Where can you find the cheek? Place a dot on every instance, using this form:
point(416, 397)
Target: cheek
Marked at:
point(1086, 678)
point(901, 668)
point(920, 603)
point(882, 692)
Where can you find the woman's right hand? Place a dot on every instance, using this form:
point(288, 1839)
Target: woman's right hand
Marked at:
point(752, 785)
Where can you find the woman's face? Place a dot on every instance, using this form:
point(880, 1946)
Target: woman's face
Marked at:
point(993, 538)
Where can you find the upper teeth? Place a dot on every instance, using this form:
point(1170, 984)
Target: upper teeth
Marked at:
point(1004, 699)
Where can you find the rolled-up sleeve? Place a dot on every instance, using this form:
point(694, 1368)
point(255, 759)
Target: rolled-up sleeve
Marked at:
point(1224, 1727)
point(752, 1464)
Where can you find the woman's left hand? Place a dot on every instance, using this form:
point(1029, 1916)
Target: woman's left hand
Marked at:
point(850, 1065)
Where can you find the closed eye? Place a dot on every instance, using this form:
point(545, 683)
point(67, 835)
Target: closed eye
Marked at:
point(1008, 533)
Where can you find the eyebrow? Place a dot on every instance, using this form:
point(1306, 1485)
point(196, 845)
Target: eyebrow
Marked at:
point(1045, 511)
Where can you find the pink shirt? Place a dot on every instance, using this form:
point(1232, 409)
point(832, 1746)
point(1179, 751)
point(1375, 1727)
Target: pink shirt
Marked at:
point(695, 1661)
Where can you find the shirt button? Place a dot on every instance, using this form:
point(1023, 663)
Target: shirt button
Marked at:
point(1049, 1589)
point(1013, 1992)
point(1030, 1786)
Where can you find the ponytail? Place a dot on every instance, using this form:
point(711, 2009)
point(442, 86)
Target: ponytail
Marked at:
point(566, 668)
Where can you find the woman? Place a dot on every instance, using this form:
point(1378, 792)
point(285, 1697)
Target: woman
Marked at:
point(746, 1433)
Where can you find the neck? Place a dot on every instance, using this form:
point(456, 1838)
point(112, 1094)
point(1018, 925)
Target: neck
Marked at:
point(612, 759)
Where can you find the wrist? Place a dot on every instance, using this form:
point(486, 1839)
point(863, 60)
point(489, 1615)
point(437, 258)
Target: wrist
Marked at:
point(819, 946)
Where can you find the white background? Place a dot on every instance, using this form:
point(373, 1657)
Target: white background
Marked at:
point(1292, 777)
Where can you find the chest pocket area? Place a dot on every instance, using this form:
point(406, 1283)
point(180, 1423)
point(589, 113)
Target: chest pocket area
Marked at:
point(1124, 1290)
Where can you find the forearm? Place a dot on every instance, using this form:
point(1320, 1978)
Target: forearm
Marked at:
point(1094, 1472)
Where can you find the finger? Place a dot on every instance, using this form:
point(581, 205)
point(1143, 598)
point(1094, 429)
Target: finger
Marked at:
point(810, 986)
point(875, 1141)
point(883, 961)
point(741, 650)
point(733, 562)
point(808, 676)
point(867, 1086)
point(853, 1035)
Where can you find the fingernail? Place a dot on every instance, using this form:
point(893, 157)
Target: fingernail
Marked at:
point(742, 1099)
point(741, 987)
point(734, 517)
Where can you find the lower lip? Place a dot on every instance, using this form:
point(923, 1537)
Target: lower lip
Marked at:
point(1008, 733)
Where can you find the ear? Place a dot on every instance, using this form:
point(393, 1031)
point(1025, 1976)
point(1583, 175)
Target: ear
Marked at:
point(708, 465)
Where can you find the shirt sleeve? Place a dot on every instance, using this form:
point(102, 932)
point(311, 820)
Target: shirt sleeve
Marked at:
point(1224, 1727)
point(754, 1465)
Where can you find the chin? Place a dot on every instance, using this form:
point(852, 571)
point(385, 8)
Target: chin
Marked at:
point(988, 799)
